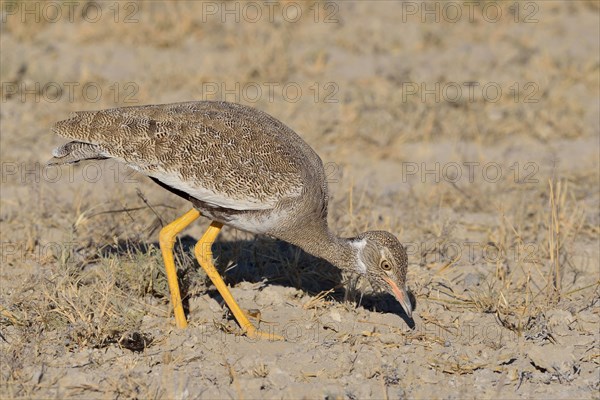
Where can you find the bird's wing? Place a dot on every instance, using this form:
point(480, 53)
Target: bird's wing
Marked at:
point(223, 154)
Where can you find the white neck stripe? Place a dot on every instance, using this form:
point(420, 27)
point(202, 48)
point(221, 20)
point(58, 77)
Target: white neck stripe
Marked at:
point(359, 245)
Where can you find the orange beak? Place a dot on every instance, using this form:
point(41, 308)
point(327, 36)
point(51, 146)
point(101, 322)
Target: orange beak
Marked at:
point(402, 296)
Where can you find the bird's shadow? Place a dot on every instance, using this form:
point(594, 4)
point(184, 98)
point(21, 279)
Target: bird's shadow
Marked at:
point(264, 259)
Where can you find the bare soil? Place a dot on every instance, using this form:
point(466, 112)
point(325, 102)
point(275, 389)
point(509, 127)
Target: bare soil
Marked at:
point(474, 138)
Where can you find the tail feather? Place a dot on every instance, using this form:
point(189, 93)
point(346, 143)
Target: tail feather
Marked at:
point(73, 152)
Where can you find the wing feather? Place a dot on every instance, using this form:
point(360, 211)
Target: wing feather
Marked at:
point(223, 154)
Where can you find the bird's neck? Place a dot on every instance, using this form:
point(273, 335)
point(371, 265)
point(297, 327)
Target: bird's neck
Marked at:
point(316, 239)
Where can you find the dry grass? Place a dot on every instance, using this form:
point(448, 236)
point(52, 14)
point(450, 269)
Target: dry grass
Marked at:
point(90, 307)
point(525, 279)
point(98, 300)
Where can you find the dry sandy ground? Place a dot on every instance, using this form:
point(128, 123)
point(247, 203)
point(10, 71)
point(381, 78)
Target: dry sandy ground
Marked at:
point(469, 131)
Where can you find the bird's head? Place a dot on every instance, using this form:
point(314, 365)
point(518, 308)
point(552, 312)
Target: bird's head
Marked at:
point(382, 259)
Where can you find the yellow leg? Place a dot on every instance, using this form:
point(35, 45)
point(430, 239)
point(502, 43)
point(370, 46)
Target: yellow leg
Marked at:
point(167, 242)
point(204, 255)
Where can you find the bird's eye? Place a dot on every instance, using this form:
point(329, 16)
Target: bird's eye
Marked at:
point(385, 265)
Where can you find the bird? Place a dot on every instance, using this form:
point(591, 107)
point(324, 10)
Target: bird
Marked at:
point(237, 166)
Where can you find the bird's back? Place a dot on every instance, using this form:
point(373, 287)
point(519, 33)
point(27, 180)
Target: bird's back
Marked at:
point(224, 154)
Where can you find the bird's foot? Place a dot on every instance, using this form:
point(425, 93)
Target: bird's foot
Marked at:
point(254, 333)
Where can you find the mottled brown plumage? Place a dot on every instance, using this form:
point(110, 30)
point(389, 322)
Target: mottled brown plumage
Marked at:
point(162, 139)
point(238, 166)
